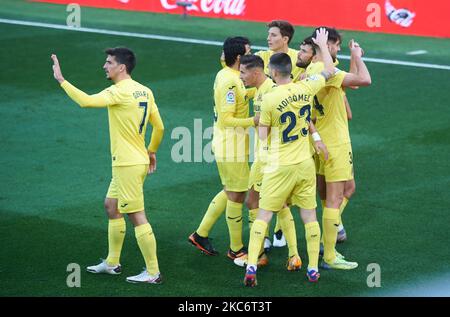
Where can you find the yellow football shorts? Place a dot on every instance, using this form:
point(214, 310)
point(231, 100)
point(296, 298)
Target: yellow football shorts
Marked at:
point(234, 175)
point(127, 185)
point(294, 183)
point(339, 166)
point(256, 176)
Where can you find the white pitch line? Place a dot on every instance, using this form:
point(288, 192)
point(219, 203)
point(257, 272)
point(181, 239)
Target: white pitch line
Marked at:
point(197, 41)
point(419, 52)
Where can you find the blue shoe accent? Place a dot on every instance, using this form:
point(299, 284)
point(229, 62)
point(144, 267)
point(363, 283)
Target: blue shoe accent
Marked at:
point(250, 277)
point(313, 275)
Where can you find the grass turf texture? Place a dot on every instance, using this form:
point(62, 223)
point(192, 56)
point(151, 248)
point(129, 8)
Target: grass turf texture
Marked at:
point(55, 164)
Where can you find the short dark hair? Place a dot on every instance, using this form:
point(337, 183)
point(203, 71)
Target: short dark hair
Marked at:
point(232, 48)
point(309, 41)
point(282, 63)
point(123, 56)
point(286, 29)
point(243, 39)
point(252, 61)
point(333, 35)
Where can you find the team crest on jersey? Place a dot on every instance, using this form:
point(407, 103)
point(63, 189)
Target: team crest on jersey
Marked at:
point(231, 97)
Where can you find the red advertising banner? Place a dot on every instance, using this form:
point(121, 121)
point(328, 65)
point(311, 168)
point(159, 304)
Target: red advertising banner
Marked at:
point(412, 17)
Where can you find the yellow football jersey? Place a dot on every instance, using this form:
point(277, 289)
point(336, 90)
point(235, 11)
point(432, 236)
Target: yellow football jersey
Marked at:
point(296, 71)
point(130, 107)
point(287, 110)
point(329, 108)
point(266, 87)
point(231, 116)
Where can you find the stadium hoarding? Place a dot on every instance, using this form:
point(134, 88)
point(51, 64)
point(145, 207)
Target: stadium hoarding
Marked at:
point(409, 17)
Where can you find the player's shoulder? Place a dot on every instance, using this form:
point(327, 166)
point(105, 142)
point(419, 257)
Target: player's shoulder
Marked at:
point(314, 68)
point(292, 53)
point(273, 95)
point(143, 87)
point(227, 78)
point(264, 54)
point(267, 86)
point(224, 73)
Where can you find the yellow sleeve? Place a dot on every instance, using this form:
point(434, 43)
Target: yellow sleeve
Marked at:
point(313, 83)
point(230, 121)
point(337, 79)
point(227, 97)
point(103, 99)
point(157, 131)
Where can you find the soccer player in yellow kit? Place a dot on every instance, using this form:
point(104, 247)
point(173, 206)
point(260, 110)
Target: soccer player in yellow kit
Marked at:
point(130, 107)
point(290, 171)
point(305, 57)
point(252, 74)
point(280, 34)
point(230, 146)
point(332, 124)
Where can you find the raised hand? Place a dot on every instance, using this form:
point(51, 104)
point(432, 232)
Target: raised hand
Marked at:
point(355, 49)
point(57, 69)
point(321, 38)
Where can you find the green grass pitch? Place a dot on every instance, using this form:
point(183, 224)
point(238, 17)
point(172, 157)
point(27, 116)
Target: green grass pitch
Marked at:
point(55, 163)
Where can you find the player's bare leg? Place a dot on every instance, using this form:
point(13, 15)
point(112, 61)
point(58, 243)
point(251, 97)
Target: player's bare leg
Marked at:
point(321, 188)
point(349, 190)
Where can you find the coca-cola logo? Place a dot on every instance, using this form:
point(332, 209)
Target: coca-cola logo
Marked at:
point(227, 7)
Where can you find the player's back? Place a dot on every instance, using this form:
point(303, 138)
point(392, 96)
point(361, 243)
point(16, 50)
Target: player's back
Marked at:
point(290, 110)
point(329, 108)
point(128, 119)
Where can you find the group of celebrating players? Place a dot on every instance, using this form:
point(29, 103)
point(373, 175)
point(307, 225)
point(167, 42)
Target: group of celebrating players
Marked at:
point(301, 115)
point(302, 146)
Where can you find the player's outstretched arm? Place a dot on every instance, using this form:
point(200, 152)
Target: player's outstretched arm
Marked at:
point(230, 121)
point(102, 99)
point(362, 75)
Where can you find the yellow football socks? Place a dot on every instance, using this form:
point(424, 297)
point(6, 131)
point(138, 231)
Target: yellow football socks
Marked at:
point(312, 235)
point(288, 226)
point(256, 239)
point(330, 222)
point(116, 235)
point(147, 243)
point(234, 222)
point(277, 225)
point(215, 209)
